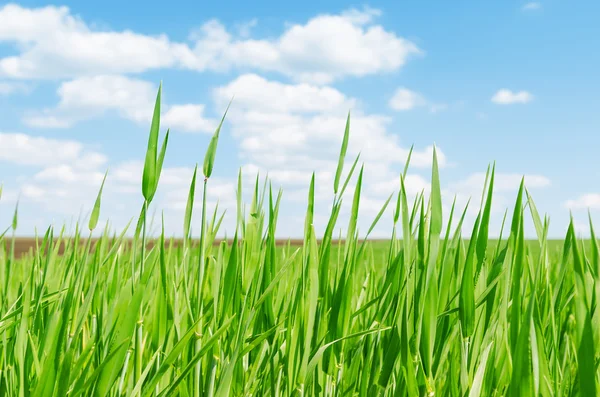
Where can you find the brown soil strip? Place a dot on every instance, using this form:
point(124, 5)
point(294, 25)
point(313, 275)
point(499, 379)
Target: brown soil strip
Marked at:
point(23, 245)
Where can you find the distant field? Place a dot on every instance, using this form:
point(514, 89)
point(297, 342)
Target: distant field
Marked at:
point(25, 245)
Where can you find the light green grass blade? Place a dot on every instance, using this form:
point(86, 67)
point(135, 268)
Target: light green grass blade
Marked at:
point(149, 173)
point(211, 151)
point(340, 166)
point(96, 210)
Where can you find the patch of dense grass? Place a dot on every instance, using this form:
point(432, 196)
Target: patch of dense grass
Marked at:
point(428, 314)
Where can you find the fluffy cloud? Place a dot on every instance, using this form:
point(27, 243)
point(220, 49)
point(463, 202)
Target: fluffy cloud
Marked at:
point(133, 99)
point(586, 201)
point(405, 99)
point(63, 176)
point(300, 127)
point(326, 48)
point(53, 43)
point(503, 182)
point(508, 97)
point(23, 149)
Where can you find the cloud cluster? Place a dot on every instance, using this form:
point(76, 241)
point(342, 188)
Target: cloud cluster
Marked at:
point(586, 201)
point(23, 149)
point(133, 99)
point(67, 175)
point(54, 43)
point(286, 129)
point(294, 129)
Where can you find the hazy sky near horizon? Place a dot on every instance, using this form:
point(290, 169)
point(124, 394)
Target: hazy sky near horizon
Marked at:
point(513, 82)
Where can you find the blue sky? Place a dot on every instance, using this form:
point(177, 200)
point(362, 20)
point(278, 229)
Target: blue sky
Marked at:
point(513, 82)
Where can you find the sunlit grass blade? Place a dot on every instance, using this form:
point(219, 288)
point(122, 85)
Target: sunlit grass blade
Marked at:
point(149, 174)
point(340, 166)
point(211, 151)
point(96, 210)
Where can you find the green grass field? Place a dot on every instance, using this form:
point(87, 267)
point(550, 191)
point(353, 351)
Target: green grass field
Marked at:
point(425, 313)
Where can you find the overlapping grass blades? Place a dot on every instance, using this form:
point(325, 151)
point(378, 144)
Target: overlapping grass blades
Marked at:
point(425, 313)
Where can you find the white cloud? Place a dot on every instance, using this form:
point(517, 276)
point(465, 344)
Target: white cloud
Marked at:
point(586, 201)
point(301, 126)
point(133, 99)
point(64, 184)
point(405, 99)
point(508, 97)
point(23, 149)
point(503, 182)
point(188, 118)
point(326, 48)
point(414, 184)
point(471, 188)
point(54, 43)
point(531, 6)
point(279, 97)
point(69, 174)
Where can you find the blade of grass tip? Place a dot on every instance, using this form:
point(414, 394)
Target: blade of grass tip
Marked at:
point(379, 214)
point(15, 219)
point(483, 235)
point(537, 221)
point(517, 213)
point(338, 172)
point(436, 199)
point(189, 206)
point(398, 208)
point(405, 171)
point(211, 151)
point(96, 211)
point(406, 234)
point(402, 177)
point(310, 211)
point(354, 213)
point(373, 224)
point(485, 184)
point(149, 173)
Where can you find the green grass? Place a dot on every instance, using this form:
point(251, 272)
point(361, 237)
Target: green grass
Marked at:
point(423, 313)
